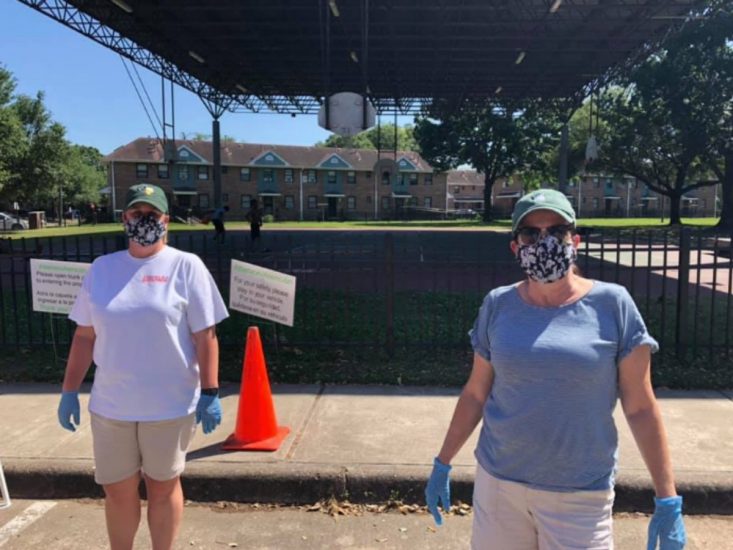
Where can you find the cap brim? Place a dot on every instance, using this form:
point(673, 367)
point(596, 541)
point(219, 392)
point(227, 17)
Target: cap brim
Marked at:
point(143, 201)
point(543, 207)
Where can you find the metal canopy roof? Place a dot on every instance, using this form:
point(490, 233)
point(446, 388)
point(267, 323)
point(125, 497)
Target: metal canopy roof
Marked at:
point(286, 55)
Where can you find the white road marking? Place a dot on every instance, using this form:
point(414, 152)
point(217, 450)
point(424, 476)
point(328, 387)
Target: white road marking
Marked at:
point(23, 520)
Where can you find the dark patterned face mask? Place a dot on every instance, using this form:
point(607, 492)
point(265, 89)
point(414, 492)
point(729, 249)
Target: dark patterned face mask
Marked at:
point(145, 230)
point(547, 260)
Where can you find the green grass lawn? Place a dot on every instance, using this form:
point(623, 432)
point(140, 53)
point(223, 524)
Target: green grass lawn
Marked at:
point(469, 225)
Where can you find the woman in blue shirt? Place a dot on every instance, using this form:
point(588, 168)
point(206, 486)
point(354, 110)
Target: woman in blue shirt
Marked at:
point(552, 354)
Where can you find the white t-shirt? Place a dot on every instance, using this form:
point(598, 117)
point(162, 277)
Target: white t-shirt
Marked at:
point(144, 311)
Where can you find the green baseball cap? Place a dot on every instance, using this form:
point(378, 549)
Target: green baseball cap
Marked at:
point(149, 194)
point(542, 199)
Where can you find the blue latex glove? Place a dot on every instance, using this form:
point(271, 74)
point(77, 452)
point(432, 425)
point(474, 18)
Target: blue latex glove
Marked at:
point(68, 409)
point(438, 490)
point(666, 525)
point(208, 412)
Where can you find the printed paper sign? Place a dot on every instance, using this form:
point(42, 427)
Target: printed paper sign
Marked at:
point(55, 284)
point(262, 292)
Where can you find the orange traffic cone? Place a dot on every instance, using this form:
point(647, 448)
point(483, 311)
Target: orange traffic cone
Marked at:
point(256, 428)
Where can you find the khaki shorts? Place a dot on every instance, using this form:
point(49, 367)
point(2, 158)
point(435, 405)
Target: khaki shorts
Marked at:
point(511, 516)
point(122, 448)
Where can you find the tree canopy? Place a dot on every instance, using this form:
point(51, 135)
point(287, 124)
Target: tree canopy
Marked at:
point(37, 162)
point(382, 137)
point(499, 138)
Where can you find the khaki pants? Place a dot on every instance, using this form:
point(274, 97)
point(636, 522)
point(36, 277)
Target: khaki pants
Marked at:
point(511, 516)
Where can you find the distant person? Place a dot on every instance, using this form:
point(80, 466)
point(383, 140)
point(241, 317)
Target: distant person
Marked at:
point(93, 212)
point(217, 218)
point(254, 217)
point(552, 355)
point(147, 317)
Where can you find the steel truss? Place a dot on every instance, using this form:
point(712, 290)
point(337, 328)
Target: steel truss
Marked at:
point(267, 56)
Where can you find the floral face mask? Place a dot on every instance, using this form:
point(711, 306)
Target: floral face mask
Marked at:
point(547, 260)
point(145, 230)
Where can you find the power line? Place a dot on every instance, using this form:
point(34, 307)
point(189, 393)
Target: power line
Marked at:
point(132, 80)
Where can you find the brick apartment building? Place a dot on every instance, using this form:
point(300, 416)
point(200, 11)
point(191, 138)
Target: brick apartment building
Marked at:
point(600, 195)
point(466, 190)
point(592, 196)
point(290, 182)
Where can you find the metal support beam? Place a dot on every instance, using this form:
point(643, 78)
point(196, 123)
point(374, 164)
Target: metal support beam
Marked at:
point(216, 145)
point(563, 173)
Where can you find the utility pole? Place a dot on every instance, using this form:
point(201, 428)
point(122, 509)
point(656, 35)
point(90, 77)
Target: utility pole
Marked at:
point(62, 221)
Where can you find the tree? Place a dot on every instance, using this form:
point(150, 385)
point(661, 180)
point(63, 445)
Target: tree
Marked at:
point(37, 163)
point(382, 137)
point(499, 138)
point(704, 47)
point(202, 136)
point(12, 144)
point(37, 170)
point(83, 175)
point(676, 104)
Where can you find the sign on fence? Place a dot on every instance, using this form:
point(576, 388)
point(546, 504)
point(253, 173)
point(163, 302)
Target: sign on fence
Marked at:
point(55, 284)
point(262, 292)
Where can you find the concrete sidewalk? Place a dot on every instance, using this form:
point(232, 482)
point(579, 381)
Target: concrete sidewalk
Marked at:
point(361, 443)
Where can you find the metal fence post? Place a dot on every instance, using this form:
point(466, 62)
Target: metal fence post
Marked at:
point(683, 283)
point(389, 292)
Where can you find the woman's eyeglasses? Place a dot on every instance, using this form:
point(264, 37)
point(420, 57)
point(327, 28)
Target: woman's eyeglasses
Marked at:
point(530, 235)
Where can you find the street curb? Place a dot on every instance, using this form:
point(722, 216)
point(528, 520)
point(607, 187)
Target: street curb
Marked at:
point(306, 483)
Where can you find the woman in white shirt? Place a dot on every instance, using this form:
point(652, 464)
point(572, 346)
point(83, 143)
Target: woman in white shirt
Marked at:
point(147, 317)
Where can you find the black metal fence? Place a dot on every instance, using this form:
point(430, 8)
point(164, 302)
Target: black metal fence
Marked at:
point(414, 289)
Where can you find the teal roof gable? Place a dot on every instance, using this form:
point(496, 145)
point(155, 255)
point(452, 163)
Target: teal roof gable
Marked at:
point(406, 165)
point(335, 162)
point(187, 155)
point(269, 159)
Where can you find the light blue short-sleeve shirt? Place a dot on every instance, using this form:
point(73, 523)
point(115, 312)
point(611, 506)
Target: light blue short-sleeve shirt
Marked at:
point(548, 420)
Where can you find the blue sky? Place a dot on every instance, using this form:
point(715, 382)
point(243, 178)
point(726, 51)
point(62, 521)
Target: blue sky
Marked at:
point(88, 91)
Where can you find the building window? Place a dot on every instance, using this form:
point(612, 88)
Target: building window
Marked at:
point(163, 172)
point(596, 183)
point(369, 199)
point(245, 201)
point(225, 198)
point(203, 172)
point(350, 177)
point(183, 173)
point(311, 176)
point(331, 179)
point(312, 202)
point(385, 177)
point(141, 170)
point(385, 203)
point(413, 178)
point(505, 184)
point(288, 175)
point(456, 190)
point(289, 202)
point(268, 176)
point(351, 203)
point(595, 203)
point(203, 200)
point(428, 179)
point(224, 169)
point(428, 202)
point(245, 174)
